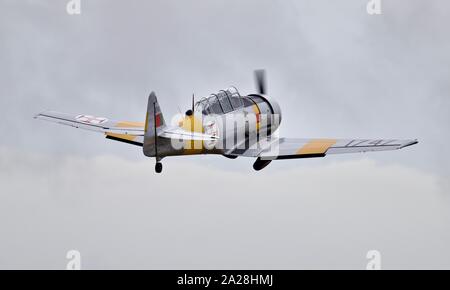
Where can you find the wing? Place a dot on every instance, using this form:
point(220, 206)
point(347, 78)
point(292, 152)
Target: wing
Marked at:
point(88, 122)
point(287, 148)
point(181, 134)
point(124, 131)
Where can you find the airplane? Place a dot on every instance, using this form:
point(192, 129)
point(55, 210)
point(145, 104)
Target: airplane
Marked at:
point(225, 123)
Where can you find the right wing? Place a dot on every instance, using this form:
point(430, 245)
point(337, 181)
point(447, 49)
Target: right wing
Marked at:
point(288, 148)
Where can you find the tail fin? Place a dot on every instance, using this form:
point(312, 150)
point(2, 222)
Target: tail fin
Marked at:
point(154, 120)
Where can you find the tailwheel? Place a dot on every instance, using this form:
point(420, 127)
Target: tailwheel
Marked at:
point(158, 167)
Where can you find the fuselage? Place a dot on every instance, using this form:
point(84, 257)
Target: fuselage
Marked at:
point(238, 121)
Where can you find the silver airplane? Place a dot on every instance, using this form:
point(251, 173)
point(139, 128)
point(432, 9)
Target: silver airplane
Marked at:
point(224, 123)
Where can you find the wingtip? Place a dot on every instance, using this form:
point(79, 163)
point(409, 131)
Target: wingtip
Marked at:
point(410, 143)
point(37, 115)
point(42, 114)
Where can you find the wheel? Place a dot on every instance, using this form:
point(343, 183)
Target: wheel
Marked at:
point(158, 167)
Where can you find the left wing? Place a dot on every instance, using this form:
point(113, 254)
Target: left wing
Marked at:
point(287, 148)
point(92, 123)
point(124, 131)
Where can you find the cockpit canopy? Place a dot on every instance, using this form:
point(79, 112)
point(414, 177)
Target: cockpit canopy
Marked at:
point(223, 102)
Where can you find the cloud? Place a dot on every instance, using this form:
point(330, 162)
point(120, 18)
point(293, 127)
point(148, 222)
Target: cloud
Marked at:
point(119, 214)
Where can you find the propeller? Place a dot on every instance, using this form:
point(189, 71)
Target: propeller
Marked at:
point(190, 112)
point(260, 79)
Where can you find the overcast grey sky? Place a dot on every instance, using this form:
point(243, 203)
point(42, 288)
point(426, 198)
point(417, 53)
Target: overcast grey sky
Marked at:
point(336, 72)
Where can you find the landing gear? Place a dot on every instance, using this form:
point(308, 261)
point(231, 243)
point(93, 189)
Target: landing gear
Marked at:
point(158, 167)
point(260, 164)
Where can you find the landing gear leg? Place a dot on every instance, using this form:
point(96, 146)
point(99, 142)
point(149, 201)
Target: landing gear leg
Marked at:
point(158, 167)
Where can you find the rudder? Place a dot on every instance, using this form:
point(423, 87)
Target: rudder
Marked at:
point(154, 121)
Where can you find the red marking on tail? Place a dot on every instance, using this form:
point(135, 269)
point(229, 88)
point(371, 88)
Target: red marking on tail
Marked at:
point(158, 120)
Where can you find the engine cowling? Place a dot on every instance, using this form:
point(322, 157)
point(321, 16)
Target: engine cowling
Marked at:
point(270, 107)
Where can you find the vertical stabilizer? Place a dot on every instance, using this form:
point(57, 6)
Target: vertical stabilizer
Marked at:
point(154, 121)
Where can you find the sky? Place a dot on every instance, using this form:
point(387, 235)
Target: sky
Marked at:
point(335, 70)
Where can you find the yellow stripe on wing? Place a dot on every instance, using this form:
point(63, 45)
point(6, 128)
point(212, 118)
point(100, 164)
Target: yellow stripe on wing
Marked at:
point(130, 124)
point(316, 146)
